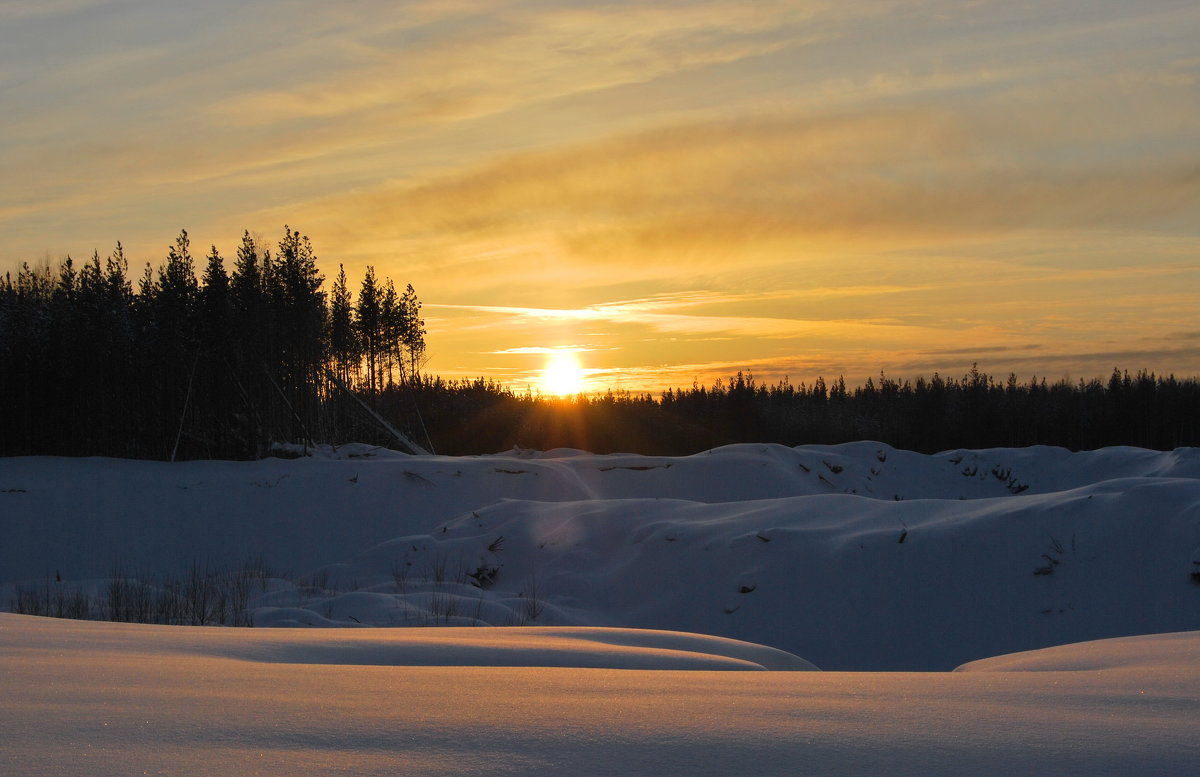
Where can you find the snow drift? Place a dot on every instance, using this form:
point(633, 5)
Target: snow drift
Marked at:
point(855, 556)
point(102, 698)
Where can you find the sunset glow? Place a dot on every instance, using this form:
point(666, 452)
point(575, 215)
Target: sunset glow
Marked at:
point(688, 189)
point(562, 376)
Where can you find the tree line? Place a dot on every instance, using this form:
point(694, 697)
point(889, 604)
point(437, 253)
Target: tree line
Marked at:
point(179, 363)
point(228, 362)
point(926, 415)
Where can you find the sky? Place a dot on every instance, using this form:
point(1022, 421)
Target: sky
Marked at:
point(670, 192)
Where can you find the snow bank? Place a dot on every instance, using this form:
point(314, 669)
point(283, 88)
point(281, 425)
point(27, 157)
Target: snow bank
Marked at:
point(854, 556)
point(80, 698)
point(526, 647)
point(1168, 655)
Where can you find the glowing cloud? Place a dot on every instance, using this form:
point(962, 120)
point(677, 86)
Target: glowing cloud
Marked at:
point(679, 189)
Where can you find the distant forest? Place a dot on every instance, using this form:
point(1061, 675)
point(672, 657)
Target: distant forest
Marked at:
point(928, 415)
point(234, 362)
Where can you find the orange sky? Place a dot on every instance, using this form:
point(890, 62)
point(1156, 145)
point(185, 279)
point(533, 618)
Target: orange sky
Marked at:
point(674, 191)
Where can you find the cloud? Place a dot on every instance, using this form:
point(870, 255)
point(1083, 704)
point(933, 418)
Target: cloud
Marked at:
point(809, 185)
point(1086, 363)
point(466, 61)
point(984, 350)
point(231, 109)
point(540, 350)
point(857, 367)
point(875, 147)
point(20, 10)
point(668, 316)
point(752, 187)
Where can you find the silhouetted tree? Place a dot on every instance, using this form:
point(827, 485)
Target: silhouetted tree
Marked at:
point(369, 324)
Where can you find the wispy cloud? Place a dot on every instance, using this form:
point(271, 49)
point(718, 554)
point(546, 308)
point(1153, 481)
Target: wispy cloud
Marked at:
point(17, 10)
point(672, 186)
point(466, 62)
point(541, 350)
point(666, 316)
point(700, 192)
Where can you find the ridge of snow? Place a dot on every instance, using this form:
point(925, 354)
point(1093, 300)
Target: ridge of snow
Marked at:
point(855, 556)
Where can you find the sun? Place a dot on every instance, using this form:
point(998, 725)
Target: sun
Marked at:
point(562, 376)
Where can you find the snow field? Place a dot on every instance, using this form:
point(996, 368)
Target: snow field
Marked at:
point(623, 571)
point(854, 557)
point(88, 698)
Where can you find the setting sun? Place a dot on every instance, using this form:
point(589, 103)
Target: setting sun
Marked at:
point(562, 376)
point(791, 189)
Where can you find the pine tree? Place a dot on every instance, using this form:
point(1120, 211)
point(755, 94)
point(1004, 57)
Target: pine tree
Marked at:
point(343, 340)
point(216, 305)
point(369, 322)
point(172, 343)
point(390, 325)
point(300, 308)
point(216, 394)
point(412, 331)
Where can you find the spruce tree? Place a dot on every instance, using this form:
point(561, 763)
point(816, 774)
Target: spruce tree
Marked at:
point(343, 340)
point(300, 308)
point(368, 320)
point(412, 331)
point(390, 324)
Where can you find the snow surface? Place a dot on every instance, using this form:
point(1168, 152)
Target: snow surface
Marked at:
point(854, 556)
point(89, 698)
point(621, 570)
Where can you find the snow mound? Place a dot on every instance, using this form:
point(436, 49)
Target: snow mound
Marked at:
point(582, 648)
point(578, 647)
point(84, 698)
point(855, 556)
point(1167, 654)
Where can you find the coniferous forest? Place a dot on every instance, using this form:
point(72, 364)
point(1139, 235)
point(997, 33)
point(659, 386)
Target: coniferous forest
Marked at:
point(191, 361)
point(212, 359)
point(928, 415)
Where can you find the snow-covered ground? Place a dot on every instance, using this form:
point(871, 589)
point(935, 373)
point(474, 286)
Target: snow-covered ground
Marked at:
point(86, 698)
point(854, 557)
